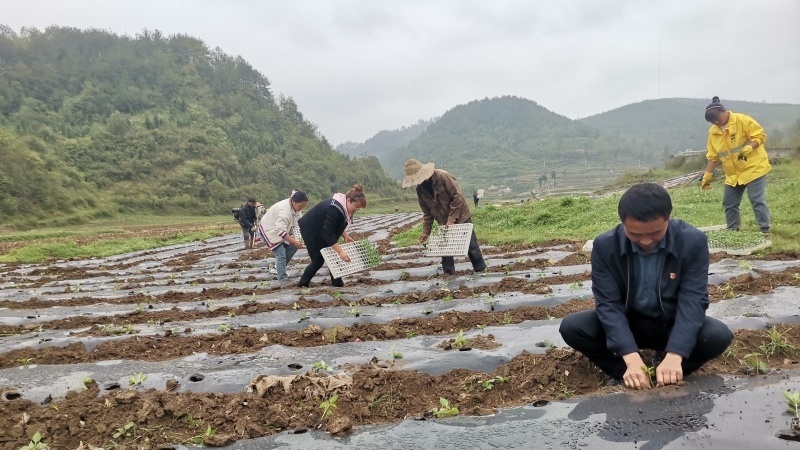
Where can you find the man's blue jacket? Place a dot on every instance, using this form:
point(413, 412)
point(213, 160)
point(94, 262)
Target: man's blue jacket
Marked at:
point(682, 287)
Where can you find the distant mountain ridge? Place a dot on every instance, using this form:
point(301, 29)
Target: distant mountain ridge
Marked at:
point(385, 141)
point(679, 123)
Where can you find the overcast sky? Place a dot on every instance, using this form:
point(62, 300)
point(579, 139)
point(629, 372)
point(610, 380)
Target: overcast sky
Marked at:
point(355, 67)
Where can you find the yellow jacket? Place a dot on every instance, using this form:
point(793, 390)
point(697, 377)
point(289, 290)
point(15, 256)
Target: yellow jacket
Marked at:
point(725, 145)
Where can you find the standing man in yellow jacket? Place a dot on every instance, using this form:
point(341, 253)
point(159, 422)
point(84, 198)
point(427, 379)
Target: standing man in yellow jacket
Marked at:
point(737, 141)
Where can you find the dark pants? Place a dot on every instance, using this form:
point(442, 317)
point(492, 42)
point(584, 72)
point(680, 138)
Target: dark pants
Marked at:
point(247, 233)
point(317, 261)
point(584, 332)
point(474, 253)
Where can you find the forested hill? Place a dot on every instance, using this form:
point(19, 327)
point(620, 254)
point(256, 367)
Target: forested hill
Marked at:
point(496, 141)
point(385, 141)
point(92, 123)
point(678, 123)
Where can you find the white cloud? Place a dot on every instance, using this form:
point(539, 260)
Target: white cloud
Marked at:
point(358, 66)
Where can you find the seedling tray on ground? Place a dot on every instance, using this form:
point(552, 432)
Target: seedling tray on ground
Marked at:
point(736, 243)
point(363, 256)
point(451, 240)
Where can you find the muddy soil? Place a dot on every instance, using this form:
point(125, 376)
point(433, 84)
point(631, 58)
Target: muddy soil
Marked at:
point(369, 392)
point(370, 395)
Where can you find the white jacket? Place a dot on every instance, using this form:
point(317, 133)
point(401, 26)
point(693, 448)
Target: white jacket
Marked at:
point(279, 221)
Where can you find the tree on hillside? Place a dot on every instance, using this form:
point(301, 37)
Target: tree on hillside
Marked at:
point(106, 123)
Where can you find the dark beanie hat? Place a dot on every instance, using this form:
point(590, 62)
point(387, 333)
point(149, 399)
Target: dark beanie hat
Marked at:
point(714, 109)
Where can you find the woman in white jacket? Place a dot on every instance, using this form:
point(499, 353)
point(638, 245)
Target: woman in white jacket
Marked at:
point(277, 226)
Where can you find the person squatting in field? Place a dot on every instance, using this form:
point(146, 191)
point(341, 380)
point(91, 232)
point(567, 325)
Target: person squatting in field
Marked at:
point(650, 283)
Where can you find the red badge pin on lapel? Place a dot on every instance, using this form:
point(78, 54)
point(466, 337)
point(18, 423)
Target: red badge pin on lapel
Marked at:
point(673, 275)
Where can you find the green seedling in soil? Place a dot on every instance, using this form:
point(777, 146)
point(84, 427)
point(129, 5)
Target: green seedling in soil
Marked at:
point(404, 275)
point(224, 327)
point(793, 400)
point(480, 326)
point(305, 291)
point(754, 363)
point(231, 313)
point(396, 354)
point(488, 385)
point(355, 312)
point(372, 255)
point(447, 298)
point(651, 373)
point(201, 439)
point(506, 319)
point(225, 286)
point(745, 265)
point(565, 390)
point(727, 292)
point(126, 430)
point(252, 298)
point(328, 406)
point(337, 295)
point(40, 328)
point(304, 316)
point(426, 311)
point(36, 443)
point(732, 350)
point(25, 361)
point(491, 302)
point(138, 379)
point(460, 340)
point(777, 344)
point(154, 322)
point(295, 306)
point(398, 302)
point(192, 422)
point(320, 366)
point(549, 317)
point(546, 343)
point(86, 382)
point(445, 410)
point(410, 334)
point(575, 285)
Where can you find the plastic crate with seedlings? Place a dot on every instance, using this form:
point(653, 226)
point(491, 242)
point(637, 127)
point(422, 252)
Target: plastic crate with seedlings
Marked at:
point(737, 243)
point(363, 256)
point(296, 233)
point(452, 240)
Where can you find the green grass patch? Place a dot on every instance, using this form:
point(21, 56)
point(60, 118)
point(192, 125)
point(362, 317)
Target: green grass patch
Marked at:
point(107, 247)
point(583, 218)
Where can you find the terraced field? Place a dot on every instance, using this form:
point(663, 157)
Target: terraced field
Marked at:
point(196, 343)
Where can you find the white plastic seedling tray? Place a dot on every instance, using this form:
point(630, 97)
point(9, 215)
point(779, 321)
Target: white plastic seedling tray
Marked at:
point(451, 240)
point(363, 256)
point(296, 234)
point(739, 249)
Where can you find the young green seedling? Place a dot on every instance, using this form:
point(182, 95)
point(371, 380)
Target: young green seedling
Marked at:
point(396, 354)
point(328, 406)
point(320, 366)
point(793, 400)
point(136, 380)
point(460, 341)
point(445, 410)
point(126, 430)
point(754, 362)
point(36, 443)
point(650, 371)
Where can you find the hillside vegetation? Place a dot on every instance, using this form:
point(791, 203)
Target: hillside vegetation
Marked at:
point(385, 141)
point(509, 140)
point(93, 124)
point(674, 124)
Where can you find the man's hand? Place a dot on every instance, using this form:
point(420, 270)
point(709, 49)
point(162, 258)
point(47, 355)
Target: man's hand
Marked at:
point(347, 239)
point(295, 242)
point(345, 257)
point(423, 237)
point(635, 377)
point(706, 183)
point(450, 222)
point(670, 370)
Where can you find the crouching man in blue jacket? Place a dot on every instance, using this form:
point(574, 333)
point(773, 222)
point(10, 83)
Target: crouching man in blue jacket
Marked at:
point(650, 283)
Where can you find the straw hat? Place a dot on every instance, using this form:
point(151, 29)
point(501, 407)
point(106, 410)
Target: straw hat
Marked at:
point(416, 172)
